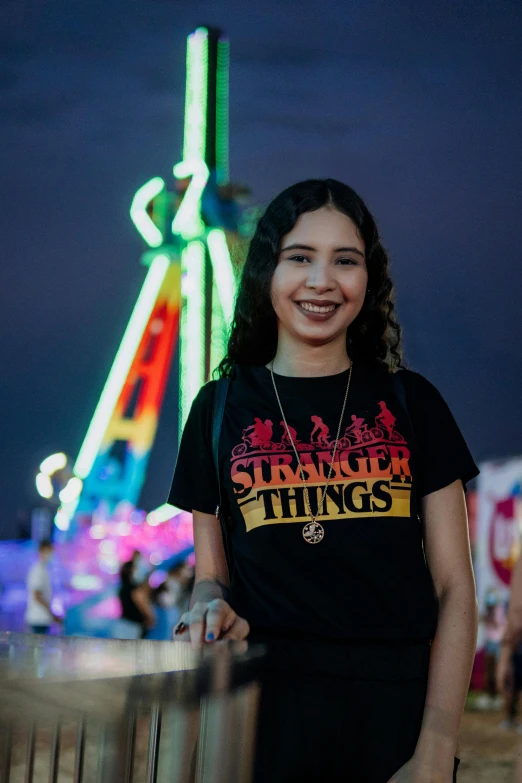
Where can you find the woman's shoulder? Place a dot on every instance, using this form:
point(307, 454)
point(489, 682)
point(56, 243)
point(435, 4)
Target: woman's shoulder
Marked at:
point(204, 399)
point(416, 384)
point(207, 391)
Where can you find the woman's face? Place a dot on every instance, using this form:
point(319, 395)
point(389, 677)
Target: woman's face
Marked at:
point(320, 281)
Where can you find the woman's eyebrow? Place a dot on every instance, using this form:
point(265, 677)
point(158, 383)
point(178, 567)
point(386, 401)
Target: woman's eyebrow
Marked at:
point(297, 246)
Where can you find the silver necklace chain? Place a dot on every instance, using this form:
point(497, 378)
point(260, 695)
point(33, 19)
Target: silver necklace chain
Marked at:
point(306, 494)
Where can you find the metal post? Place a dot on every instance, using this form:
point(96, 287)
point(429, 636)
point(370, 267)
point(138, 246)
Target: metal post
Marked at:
point(29, 759)
point(246, 703)
point(80, 752)
point(55, 754)
point(127, 747)
point(216, 744)
point(6, 746)
point(179, 736)
point(154, 740)
point(116, 751)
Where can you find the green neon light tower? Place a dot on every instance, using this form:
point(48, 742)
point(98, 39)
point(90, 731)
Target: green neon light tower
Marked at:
point(187, 298)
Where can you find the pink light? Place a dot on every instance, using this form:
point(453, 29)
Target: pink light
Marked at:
point(110, 607)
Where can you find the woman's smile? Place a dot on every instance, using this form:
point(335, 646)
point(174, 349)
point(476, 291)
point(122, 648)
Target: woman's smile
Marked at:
point(317, 312)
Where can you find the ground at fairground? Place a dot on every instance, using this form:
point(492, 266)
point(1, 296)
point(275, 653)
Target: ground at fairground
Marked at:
point(487, 749)
point(487, 752)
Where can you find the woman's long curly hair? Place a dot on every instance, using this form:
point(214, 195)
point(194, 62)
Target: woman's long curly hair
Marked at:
point(374, 337)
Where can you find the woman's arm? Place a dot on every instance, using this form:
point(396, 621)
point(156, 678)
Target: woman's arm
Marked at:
point(212, 579)
point(210, 617)
point(453, 649)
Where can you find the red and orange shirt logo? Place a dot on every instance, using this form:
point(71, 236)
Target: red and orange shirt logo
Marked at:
point(371, 474)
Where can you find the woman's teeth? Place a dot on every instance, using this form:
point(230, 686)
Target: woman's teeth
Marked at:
point(316, 308)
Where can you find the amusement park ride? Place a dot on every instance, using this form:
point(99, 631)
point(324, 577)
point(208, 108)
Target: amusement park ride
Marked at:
point(185, 305)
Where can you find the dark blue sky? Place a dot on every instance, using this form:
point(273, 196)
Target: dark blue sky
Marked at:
point(416, 106)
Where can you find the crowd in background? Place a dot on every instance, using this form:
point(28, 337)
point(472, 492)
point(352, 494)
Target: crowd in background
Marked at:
point(502, 659)
point(148, 609)
point(152, 612)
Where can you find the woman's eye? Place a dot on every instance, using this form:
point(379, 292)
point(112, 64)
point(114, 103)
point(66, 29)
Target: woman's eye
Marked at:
point(342, 261)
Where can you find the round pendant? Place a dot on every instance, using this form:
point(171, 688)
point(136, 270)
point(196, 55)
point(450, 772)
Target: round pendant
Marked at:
point(313, 533)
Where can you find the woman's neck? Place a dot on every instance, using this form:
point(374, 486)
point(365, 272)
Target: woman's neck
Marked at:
point(297, 359)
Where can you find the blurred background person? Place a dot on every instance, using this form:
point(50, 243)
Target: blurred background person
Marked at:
point(170, 599)
point(39, 615)
point(137, 615)
point(494, 619)
point(509, 669)
point(139, 564)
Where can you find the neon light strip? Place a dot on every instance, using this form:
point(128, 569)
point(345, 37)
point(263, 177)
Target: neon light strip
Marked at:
point(138, 211)
point(53, 463)
point(222, 167)
point(194, 144)
point(192, 326)
point(218, 329)
point(162, 514)
point(44, 485)
point(72, 490)
point(122, 363)
point(223, 270)
point(188, 220)
point(190, 224)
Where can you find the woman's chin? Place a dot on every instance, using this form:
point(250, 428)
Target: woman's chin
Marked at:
point(317, 336)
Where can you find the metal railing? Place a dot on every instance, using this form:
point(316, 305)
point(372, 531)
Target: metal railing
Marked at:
point(108, 711)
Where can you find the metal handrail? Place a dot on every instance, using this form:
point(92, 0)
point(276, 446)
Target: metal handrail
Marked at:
point(199, 707)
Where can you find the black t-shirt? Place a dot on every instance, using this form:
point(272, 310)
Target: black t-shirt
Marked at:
point(367, 580)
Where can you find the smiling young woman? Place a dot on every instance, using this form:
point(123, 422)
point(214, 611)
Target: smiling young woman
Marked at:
point(345, 495)
point(319, 286)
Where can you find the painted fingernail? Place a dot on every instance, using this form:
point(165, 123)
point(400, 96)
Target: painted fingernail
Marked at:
point(180, 628)
point(210, 637)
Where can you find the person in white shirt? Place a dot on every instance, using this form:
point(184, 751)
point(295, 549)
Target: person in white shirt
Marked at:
point(39, 616)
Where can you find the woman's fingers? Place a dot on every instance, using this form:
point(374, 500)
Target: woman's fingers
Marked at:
point(180, 633)
point(209, 622)
point(197, 620)
point(238, 631)
point(219, 617)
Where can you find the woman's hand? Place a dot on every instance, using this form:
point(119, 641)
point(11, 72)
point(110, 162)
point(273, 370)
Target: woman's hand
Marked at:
point(504, 673)
point(210, 621)
point(417, 771)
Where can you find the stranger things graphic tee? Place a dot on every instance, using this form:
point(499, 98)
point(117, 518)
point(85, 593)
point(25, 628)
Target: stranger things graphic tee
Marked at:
point(370, 475)
point(368, 578)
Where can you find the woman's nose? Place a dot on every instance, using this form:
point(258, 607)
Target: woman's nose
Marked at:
point(320, 277)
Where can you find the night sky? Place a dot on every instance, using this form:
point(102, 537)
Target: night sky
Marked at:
point(416, 106)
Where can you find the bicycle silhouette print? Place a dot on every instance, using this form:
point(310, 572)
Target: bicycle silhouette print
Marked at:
point(259, 436)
